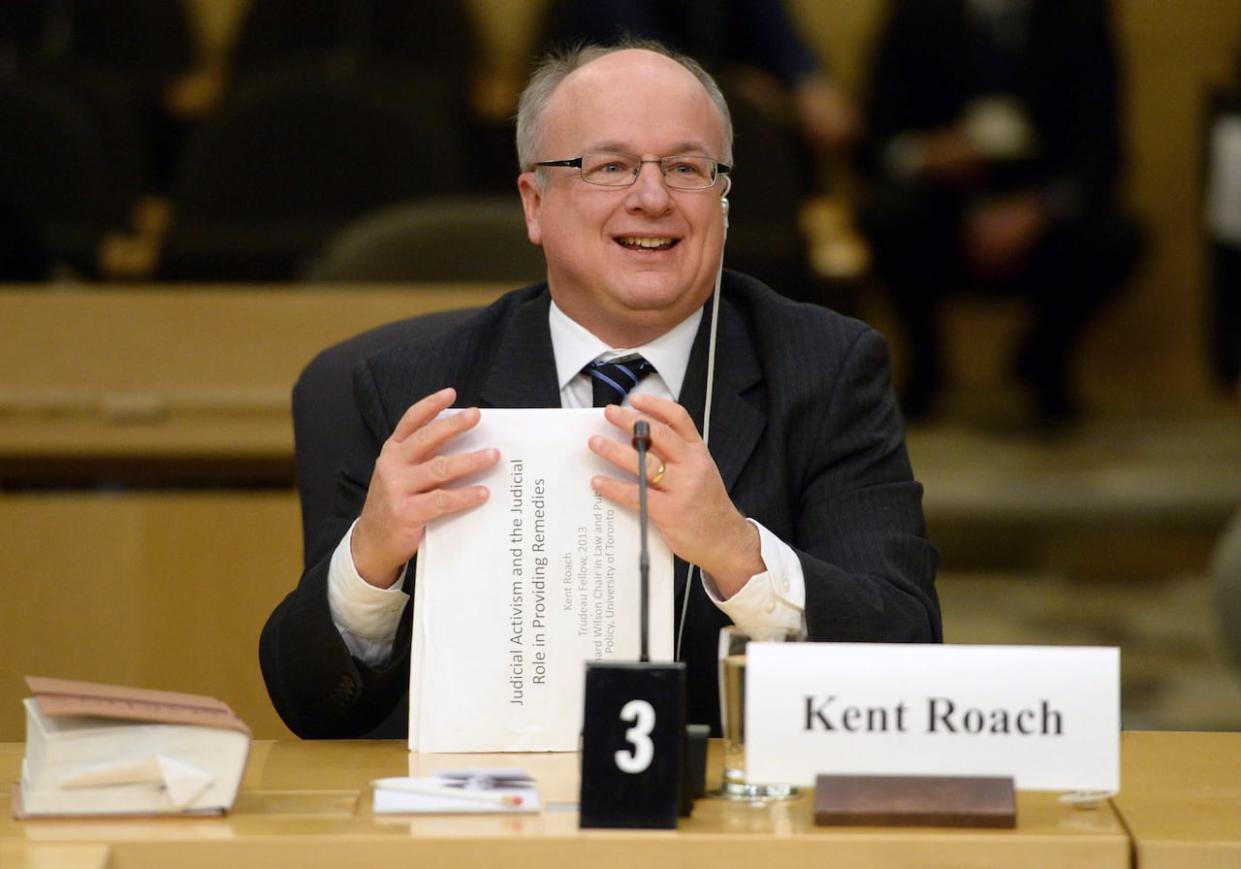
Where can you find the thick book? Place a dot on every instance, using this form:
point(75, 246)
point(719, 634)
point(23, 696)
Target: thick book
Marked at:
point(512, 598)
point(94, 749)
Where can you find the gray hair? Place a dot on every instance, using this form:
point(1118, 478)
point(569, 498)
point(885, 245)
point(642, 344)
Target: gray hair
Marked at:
point(556, 66)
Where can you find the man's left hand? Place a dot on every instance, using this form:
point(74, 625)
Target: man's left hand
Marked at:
point(689, 504)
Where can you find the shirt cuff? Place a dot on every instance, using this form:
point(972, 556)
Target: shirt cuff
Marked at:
point(776, 597)
point(367, 617)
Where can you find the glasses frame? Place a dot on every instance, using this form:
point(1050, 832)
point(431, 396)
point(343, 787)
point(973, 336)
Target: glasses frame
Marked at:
point(576, 163)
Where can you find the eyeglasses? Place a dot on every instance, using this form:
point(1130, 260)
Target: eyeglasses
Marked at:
point(610, 169)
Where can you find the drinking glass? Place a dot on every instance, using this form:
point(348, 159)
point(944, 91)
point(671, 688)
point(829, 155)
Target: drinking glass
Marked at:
point(733, 642)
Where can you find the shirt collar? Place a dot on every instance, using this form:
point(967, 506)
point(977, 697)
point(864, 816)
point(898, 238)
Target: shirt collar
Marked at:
point(574, 346)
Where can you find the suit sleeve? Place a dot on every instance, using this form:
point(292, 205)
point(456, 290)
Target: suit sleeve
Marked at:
point(317, 687)
point(860, 534)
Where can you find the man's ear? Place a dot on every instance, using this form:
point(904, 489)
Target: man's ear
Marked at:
point(532, 205)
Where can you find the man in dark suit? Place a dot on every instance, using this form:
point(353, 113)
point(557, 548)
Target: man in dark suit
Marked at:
point(995, 127)
point(803, 512)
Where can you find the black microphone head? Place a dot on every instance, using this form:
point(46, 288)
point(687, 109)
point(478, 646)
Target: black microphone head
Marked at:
point(642, 435)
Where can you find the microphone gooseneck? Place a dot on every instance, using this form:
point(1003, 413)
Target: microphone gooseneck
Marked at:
point(642, 443)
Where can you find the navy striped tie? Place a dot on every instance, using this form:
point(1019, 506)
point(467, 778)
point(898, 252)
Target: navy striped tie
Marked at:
point(611, 381)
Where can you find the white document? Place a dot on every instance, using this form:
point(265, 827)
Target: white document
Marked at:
point(513, 597)
point(1049, 716)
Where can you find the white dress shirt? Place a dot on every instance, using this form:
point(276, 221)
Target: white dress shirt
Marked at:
point(367, 617)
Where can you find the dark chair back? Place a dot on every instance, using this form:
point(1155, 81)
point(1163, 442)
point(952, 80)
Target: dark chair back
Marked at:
point(460, 238)
point(57, 175)
point(295, 155)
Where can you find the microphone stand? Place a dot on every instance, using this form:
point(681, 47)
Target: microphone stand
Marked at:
point(634, 749)
point(642, 443)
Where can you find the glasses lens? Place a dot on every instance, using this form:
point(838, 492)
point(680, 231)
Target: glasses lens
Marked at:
point(608, 169)
point(688, 173)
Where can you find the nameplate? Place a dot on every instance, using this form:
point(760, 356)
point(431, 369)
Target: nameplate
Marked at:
point(1049, 716)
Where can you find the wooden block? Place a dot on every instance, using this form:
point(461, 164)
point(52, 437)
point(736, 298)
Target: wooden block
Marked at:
point(914, 801)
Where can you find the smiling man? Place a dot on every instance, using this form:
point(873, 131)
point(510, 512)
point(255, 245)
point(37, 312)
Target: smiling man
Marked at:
point(803, 511)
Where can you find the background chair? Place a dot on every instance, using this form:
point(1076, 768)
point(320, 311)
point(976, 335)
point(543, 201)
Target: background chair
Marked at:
point(434, 36)
point(462, 238)
point(59, 177)
point(296, 154)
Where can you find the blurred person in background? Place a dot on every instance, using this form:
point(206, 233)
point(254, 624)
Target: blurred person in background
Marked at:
point(993, 164)
point(756, 34)
point(1223, 220)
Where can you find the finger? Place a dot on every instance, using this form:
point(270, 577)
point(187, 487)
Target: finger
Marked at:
point(421, 412)
point(444, 502)
point(623, 456)
point(626, 494)
point(431, 438)
point(669, 412)
point(441, 469)
point(664, 441)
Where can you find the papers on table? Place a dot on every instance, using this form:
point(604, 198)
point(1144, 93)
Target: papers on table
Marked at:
point(448, 793)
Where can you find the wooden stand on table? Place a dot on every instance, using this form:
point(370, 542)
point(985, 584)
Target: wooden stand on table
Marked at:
point(915, 801)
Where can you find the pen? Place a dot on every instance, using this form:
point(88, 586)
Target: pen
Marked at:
point(413, 786)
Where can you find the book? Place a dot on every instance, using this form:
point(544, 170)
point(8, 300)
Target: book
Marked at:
point(513, 597)
point(94, 749)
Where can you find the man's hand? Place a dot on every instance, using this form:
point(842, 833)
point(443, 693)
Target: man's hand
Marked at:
point(826, 114)
point(689, 505)
point(947, 156)
point(1000, 234)
point(405, 493)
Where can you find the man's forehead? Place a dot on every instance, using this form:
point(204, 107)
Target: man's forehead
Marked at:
point(608, 90)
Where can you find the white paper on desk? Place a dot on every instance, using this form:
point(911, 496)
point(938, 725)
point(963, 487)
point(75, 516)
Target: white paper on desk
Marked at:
point(512, 598)
point(389, 801)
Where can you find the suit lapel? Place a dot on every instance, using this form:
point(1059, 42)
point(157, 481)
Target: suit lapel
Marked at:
point(737, 414)
point(737, 417)
point(523, 373)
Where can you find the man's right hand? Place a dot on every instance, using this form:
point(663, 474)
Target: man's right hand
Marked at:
point(405, 491)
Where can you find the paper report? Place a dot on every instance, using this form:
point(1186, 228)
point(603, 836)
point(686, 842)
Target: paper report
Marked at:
point(513, 597)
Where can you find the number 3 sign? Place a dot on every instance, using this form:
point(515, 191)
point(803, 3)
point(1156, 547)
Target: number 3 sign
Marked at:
point(633, 743)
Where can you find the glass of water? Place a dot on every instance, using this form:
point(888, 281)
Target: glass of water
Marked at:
point(733, 642)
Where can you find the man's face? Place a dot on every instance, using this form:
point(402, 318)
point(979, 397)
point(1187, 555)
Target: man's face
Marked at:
point(627, 263)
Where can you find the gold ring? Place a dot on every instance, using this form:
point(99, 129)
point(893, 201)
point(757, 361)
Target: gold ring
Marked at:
point(659, 474)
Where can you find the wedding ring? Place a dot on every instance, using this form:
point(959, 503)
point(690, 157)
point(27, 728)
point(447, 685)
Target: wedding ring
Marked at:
point(659, 474)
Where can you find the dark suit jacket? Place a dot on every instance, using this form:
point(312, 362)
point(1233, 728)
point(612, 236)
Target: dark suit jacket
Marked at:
point(807, 437)
point(926, 70)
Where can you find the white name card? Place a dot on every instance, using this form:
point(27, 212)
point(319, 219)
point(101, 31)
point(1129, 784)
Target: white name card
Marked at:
point(1049, 716)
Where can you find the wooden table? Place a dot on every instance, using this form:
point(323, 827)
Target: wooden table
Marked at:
point(307, 805)
point(1181, 798)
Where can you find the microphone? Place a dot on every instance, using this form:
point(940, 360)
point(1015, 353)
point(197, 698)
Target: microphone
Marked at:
point(642, 443)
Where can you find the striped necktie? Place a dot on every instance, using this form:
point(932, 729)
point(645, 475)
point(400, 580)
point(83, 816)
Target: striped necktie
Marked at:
point(612, 380)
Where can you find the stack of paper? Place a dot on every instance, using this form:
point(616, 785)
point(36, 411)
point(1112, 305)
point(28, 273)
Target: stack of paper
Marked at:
point(513, 597)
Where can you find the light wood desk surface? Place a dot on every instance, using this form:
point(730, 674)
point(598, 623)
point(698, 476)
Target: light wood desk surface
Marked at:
point(308, 805)
point(1180, 798)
